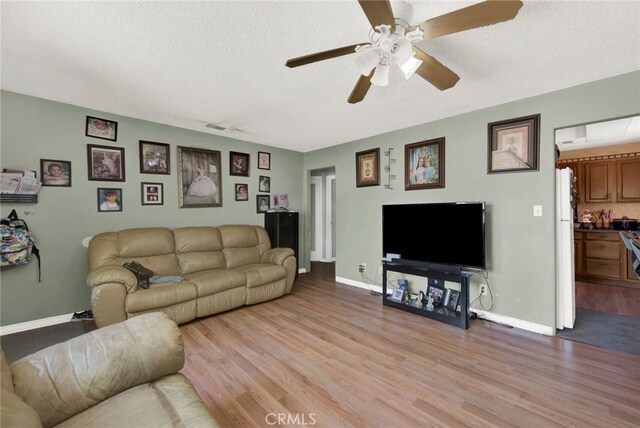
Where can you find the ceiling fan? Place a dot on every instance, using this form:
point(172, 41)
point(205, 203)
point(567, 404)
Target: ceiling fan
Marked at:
point(392, 42)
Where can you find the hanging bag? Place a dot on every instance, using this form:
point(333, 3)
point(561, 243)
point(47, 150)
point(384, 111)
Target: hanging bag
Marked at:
point(17, 246)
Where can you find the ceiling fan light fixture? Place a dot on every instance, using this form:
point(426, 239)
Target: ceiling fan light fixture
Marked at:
point(400, 52)
point(381, 76)
point(366, 59)
point(410, 66)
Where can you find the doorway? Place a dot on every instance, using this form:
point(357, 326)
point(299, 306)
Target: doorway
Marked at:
point(322, 197)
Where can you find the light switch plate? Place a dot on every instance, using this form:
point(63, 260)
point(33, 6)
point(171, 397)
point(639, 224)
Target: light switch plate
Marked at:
point(537, 210)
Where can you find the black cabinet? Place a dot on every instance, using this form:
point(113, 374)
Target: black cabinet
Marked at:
point(458, 318)
point(282, 227)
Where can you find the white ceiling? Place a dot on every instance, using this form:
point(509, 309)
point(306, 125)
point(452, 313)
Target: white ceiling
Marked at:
point(191, 63)
point(606, 133)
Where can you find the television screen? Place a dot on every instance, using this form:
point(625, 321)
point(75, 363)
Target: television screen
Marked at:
point(440, 233)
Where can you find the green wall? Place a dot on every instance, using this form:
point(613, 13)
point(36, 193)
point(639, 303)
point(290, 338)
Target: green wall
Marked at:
point(34, 129)
point(520, 247)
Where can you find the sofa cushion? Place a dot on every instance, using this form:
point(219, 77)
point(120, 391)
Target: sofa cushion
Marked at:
point(14, 412)
point(235, 257)
point(160, 295)
point(215, 280)
point(260, 274)
point(198, 248)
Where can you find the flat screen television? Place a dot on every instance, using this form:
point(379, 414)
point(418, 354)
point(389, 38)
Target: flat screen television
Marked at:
point(450, 234)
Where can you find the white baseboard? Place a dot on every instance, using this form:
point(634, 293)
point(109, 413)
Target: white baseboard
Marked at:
point(359, 284)
point(30, 325)
point(302, 270)
point(515, 322)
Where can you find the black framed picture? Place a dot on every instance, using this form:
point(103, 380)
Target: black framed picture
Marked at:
point(424, 165)
point(242, 191)
point(436, 293)
point(105, 163)
point(451, 298)
point(264, 160)
point(368, 168)
point(101, 128)
point(152, 194)
point(55, 172)
point(514, 145)
point(109, 199)
point(265, 184)
point(154, 158)
point(239, 164)
point(262, 204)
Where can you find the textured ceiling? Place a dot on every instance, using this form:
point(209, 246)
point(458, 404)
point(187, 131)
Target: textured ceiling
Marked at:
point(191, 63)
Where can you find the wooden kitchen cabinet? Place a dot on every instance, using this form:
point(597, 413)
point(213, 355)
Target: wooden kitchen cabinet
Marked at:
point(603, 258)
point(578, 252)
point(599, 181)
point(628, 180)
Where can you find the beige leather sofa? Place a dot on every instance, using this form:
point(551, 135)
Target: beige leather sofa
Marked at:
point(223, 268)
point(124, 375)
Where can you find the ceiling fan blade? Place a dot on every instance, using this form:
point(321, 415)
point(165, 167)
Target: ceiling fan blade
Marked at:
point(361, 88)
point(477, 15)
point(434, 72)
point(321, 56)
point(378, 12)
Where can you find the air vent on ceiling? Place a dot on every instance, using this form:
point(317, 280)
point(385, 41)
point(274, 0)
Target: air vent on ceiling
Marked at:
point(216, 127)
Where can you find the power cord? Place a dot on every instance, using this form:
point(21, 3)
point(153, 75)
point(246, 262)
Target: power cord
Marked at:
point(486, 279)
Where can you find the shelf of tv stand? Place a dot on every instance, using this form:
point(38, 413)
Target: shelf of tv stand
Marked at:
point(458, 318)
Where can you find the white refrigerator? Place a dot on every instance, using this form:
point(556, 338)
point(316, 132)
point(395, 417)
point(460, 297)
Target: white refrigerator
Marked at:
point(565, 268)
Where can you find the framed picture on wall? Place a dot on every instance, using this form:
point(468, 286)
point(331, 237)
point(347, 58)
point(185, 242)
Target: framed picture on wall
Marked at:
point(514, 145)
point(199, 178)
point(264, 160)
point(152, 194)
point(109, 199)
point(265, 184)
point(55, 172)
point(262, 204)
point(101, 128)
point(154, 158)
point(239, 164)
point(242, 191)
point(105, 163)
point(368, 168)
point(424, 165)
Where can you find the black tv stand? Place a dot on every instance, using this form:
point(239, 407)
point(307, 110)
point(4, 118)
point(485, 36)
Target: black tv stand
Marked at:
point(458, 318)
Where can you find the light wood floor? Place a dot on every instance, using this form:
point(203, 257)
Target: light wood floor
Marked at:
point(607, 298)
point(330, 355)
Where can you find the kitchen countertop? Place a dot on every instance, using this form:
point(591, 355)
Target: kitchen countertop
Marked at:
point(577, 228)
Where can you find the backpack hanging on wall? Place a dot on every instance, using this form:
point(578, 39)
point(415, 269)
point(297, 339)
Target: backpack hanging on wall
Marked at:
point(17, 246)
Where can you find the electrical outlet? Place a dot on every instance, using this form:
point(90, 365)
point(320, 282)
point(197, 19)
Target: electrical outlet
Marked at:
point(362, 267)
point(483, 290)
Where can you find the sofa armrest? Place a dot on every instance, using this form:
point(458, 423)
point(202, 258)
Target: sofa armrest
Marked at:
point(276, 256)
point(117, 274)
point(66, 379)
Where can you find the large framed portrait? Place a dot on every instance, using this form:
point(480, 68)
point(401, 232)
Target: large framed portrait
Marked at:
point(154, 158)
point(55, 172)
point(199, 178)
point(424, 165)
point(368, 168)
point(101, 128)
point(514, 145)
point(105, 163)
point(239, 164)
point(152, 194)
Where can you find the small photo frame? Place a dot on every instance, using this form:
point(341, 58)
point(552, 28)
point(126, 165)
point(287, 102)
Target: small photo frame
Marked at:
point(105, 163)
point(55, 173)
point(398, 294)
point(101, 128)
point(280, 201)
point(109, 200)
point(264, 160)
point(152, 194)
point(239, 164)
point(451, 298)
point(424, 165)
point(436, 293)
point(265, 184)
point(242, 192)
point(154, 158)
point(262, 204)
point(368, 168)
point(514, 145)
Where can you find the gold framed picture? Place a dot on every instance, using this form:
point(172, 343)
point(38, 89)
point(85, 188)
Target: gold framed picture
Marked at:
point(368, 168)
point(514, 145)
point(199, 178)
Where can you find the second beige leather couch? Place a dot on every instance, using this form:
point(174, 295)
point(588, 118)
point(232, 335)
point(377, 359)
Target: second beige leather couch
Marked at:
point(223, 268)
